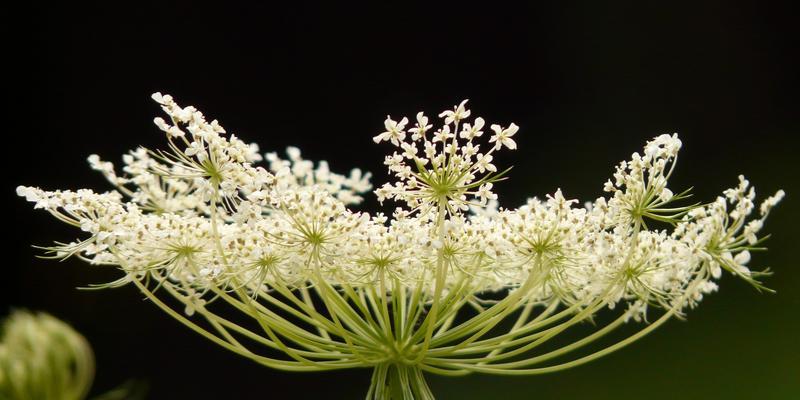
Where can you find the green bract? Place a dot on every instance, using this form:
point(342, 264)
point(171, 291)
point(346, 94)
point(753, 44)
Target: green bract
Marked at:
point(42, 358)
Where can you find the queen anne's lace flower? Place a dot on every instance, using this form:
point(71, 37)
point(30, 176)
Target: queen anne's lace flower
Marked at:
point(423, 290)
point(445, 172)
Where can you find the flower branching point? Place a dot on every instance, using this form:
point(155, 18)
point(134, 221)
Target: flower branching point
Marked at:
point(448, 284)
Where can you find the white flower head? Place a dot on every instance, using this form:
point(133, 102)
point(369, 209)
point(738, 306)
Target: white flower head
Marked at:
point(451, 172)
point(335, 288)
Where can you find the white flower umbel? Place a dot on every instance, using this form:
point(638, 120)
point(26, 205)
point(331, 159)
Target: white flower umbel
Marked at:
point(449, 284)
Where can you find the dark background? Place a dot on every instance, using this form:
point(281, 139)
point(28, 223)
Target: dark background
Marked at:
point(588, 84)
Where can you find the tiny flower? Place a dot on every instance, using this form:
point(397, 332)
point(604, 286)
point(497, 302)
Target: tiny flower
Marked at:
point(469, 150)
point(470, 132)
point(419, 129)
point(485, 193)
point(442, 135)
point(159, 98)
point(771, 201)
point(484, 163)
point(459, 112)
point(175, 132)
point(394, 131)
point(161, 124)
point(502, 137)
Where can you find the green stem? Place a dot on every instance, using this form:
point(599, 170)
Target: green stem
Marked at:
point(396, 381)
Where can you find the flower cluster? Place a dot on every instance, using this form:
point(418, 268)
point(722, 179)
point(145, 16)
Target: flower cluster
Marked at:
point(415, 291)
point(443, 167)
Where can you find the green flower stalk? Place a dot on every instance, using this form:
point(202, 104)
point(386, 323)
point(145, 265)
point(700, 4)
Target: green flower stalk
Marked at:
point(450, 284)
point(43, 358)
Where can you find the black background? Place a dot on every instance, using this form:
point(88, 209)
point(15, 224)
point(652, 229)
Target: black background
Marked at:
point(587, 83)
